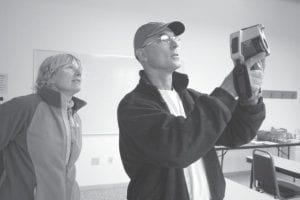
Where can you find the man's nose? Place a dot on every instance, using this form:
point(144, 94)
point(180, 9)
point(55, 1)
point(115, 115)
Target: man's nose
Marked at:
point(174, 44)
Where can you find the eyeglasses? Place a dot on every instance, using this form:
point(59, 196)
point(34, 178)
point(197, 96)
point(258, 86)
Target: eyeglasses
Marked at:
point(163, 39)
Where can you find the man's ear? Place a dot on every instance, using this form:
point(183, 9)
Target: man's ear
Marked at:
point(140, 55)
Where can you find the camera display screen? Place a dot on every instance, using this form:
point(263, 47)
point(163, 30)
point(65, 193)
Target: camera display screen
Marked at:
point(252, 47)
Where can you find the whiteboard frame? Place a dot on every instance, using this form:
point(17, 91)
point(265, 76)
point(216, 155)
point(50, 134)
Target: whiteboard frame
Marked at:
point(40, 54)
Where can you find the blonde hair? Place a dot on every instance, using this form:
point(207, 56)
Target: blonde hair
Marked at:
point(50, 65)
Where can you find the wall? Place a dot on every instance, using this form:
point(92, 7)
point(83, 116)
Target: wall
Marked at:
point(108, 26)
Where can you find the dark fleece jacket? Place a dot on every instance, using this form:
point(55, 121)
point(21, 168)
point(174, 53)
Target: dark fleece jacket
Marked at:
point(155, 145)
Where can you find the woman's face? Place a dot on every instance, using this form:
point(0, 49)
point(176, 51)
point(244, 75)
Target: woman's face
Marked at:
point(67, 79)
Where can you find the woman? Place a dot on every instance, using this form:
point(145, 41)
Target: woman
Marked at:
point(40, 135)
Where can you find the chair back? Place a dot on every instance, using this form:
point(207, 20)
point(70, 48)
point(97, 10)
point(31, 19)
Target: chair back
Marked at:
point(264, 176)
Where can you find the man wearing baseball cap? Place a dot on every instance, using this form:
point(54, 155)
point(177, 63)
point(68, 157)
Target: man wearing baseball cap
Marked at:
point(168, 131)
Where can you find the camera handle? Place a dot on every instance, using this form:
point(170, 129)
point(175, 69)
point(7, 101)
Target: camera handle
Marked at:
point(241, 81)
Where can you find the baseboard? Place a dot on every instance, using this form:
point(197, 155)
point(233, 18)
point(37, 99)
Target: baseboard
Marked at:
point(121, 185)
point(237, 173)
point(103, 186)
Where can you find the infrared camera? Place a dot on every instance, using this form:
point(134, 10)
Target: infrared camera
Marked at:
point(248, 42)
point(245, 44)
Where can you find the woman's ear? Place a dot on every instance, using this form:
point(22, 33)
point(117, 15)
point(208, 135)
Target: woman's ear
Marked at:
point(51, 80)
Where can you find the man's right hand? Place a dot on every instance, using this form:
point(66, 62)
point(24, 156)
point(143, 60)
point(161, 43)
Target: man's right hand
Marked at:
point(228, 85)
point(255, 67)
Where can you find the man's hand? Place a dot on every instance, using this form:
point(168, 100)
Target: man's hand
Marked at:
point(255, 66)
point(228, 85)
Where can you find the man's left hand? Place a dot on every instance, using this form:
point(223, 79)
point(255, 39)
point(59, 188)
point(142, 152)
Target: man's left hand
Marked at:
point(256, 67)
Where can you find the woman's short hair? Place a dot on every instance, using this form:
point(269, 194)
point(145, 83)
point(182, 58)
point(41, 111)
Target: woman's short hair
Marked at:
point(50, 65)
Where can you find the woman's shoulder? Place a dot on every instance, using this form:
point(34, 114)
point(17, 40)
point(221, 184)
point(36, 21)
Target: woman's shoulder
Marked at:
point(25, 102)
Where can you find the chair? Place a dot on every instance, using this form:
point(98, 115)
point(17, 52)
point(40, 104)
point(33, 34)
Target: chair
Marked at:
point(265, 180)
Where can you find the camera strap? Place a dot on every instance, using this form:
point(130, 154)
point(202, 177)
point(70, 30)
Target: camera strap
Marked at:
point(241, 81)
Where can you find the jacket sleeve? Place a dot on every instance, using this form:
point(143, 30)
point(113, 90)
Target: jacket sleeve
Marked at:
point(157, 137)
point(244, 125)
point(14, 117)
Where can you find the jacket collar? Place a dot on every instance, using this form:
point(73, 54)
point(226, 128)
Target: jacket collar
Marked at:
point(53, 98)
point(180, 82)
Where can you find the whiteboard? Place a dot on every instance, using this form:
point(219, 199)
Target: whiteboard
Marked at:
point(106, 79)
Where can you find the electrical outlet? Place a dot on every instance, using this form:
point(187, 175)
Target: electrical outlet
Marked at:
point(110, 160)
point(95, 161)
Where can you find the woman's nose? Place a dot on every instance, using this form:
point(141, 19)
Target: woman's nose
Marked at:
point(77, 73)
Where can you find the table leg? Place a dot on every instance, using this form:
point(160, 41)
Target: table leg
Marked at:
point(251, 175)
point(222, 158)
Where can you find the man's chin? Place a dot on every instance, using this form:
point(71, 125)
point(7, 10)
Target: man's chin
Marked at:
point(177, 64)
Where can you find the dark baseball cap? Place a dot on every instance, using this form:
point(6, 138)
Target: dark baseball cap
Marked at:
point(152, 28)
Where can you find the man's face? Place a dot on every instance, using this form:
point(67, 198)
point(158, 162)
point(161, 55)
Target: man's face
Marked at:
point(161, 51)
point(67, 78)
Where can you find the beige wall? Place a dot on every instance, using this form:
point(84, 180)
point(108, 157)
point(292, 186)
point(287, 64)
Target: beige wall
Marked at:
point(108, 26)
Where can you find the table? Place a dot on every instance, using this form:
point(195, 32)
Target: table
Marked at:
point(236, 191)
point(282, 165)
point(259, 144)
